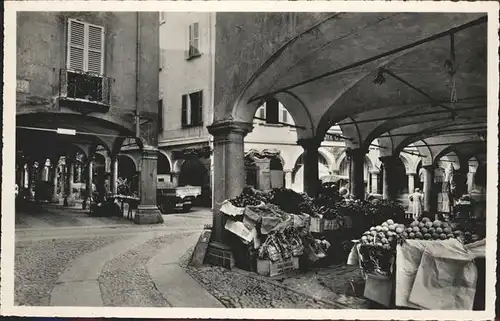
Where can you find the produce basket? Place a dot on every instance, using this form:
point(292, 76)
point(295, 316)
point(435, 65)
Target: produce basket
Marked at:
point(317, 225)
point(270, 268)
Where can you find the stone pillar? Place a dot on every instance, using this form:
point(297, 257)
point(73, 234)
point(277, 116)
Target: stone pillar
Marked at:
point(147, 211)
point(471, 181)
point(79, 172)
point(388, 191)
point(30, 177)
point(428, 181)
point(356, 175)
point(88, 184)
point(264, 174)
point(67, 181)
point(310, 164)
point(71, 177)
point(288, 178)
point(374, 182)
point(228, 182)
point(55, 167)
point(411, 182)
point(175, 178)
point(114, 175)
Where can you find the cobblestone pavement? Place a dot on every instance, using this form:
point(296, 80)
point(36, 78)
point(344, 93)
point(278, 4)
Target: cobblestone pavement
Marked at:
point(125, 280)
point(39, 264)
point(325, 288)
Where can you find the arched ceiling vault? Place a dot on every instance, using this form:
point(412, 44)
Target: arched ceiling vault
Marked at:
point(415, 80)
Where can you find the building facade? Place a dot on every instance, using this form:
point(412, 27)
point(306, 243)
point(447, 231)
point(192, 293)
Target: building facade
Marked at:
point(86, 82)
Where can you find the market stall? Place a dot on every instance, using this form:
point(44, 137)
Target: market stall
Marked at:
point(423, 265)
point(283, 228)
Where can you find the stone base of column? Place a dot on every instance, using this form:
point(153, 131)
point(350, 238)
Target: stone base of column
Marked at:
point(148, 214)
point(219, 254)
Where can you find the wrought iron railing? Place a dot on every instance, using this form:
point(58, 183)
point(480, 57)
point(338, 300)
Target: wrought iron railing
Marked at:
point(85, 86)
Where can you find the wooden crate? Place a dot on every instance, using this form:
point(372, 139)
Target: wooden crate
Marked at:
point(269, 268)
point(317, 225)
point(331, 225)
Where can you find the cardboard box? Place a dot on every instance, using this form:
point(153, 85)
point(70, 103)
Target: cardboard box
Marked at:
point(317, 225)
point(379, 289)
point(269, 268)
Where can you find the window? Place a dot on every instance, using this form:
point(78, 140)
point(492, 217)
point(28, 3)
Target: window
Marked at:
point(192, 109)
point(284, 116)
point(85, 47)
point(262, 113)
point(194, 41)
point(160, 115)
point(272, 111)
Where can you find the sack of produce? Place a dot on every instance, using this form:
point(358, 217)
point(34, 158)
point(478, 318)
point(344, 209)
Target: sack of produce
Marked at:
point(229, 209)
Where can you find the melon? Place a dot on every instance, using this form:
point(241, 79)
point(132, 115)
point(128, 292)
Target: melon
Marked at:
point(384, 240)
point(372, 228)
point(457, 233)
point(450, 236)
point(378, 228)
point(392, 227)
point(390, 233)
point(427, 236)
point(378, 244)
point(439, 230)
point(424, 230)
point(381, 235)
point(426, 219)
point(409, 230)
point(435, 236)
point(399, 230)
point(385, 228)
point(390, 222)
point(390, 239)
point(364, 238)
point(373, 233)
point(412, 235)
point(405, 234)
point(421, 225)
point(416, 229)
point(414, 223)
point(432, 230)
point(443, 236)
point(428, 224)
point(384, 224)
point(436, 223)
point(419, 235)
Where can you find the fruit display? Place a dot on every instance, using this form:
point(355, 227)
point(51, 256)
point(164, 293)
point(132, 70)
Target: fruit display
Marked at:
point(426, 229)
point(248, 197)
point(385, 236)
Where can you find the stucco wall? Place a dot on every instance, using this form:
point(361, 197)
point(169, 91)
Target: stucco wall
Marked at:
point(180, 76)
point(41, 53)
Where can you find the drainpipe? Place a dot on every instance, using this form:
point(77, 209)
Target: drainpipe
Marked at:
point(137, 69)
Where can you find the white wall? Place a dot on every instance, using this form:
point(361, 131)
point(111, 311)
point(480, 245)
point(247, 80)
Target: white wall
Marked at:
point(180, 76)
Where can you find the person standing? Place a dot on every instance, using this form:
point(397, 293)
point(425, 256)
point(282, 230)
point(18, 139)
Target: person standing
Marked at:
point(416, 203)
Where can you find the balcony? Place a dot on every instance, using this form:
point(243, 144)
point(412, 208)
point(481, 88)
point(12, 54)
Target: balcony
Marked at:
point(84, 91)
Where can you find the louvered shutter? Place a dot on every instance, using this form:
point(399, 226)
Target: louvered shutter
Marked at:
point(95, 49)
point(196, 38)
point(272, 111)
point(199, 121)
point(284, 116)
point(184, 110)
point(262, 112)
point(76, 45)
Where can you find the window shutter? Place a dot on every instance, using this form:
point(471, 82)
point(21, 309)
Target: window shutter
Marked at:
point(272, 111)
point(160, 115)
point(184, 110)
point(95, 49)
point(196, 38)
point(262, 113)
point(200, 108)
point(76, 45)
point(285, 116)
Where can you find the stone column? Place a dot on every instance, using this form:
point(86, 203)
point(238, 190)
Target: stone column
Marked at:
point(428, 181)
point(229, 176)
point(288, 178)
point(79, 173)
point(471, 181)
point(411, 182)
point(88, 184)
point(67, 181)
point(264, 174)
point(175, 178)
point(114, 175)
point(374, 183)
point(55, 167)
point(356, 175)
point(388, 191)
point(310, 164)
point(147, 211)
point(71, 177)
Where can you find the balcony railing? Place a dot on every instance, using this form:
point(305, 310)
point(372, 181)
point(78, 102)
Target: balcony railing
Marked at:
point(84, 90)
